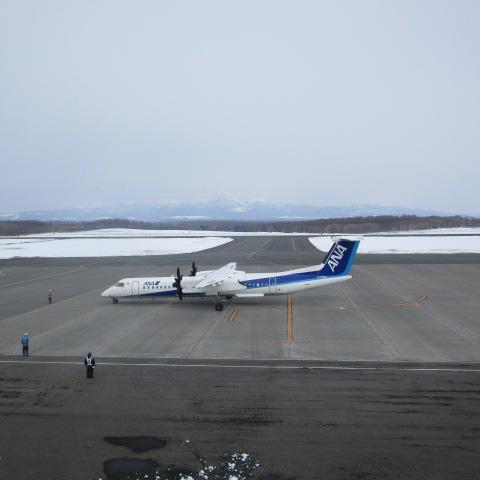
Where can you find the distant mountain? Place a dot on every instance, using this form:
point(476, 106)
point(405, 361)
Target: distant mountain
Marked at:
point(221, 208)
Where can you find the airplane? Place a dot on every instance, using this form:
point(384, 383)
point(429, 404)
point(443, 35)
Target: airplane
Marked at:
point(228, 282)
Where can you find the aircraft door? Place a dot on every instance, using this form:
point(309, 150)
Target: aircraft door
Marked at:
point(135, 288)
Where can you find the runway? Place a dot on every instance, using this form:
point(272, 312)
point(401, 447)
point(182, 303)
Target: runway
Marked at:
point(372, 378)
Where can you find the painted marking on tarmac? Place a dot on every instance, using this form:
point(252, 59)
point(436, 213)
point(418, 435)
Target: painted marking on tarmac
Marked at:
point(290, 338)
point(251, 366)
point(258, 249)
point(415, 302)
point(228, 246)
point(289, 319)
point(44, 277)
point(233, 315)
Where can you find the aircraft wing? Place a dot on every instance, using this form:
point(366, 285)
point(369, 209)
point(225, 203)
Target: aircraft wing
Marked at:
point(217, 276)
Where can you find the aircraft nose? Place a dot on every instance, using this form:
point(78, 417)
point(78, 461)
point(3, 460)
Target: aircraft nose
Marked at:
point(106, 293)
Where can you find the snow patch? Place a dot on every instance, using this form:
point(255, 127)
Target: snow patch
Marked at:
point(106, 247)
point(135, 232)
point(411, 244)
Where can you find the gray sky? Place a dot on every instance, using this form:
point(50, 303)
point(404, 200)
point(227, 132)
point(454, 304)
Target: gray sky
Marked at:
point(343, 102)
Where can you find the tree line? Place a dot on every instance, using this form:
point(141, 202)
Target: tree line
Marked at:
point(360, 225)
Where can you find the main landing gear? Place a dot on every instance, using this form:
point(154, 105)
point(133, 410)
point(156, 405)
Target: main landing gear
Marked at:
point(115, 300)
point(218, 304)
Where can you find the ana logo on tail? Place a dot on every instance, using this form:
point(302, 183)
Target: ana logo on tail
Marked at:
point(336, 256)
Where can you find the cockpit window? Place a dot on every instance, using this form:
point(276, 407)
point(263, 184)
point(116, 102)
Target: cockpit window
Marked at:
point(119, 284)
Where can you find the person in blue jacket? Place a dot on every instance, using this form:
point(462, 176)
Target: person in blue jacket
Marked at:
point(25, 341)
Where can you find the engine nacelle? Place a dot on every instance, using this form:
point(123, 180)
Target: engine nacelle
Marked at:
point(189, 282)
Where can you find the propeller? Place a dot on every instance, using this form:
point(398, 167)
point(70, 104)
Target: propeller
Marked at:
point(178, 284)
point(193, 272)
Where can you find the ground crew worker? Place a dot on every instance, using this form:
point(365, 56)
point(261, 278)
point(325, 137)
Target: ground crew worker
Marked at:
point(90, 364)
point(25, 341)
point(50, 295)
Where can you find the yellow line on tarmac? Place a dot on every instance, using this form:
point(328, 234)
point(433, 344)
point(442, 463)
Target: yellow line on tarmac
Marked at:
point(252, 254)
point(289, 338)
point(229, 245)
point(81, 268)
point(289, 319)
point(233, 315)
point(415, 302)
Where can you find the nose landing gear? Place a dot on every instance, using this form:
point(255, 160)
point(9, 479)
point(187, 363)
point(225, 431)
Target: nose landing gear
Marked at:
point(115, 300)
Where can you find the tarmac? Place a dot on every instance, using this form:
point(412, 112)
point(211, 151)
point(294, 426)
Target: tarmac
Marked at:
point(377, 377)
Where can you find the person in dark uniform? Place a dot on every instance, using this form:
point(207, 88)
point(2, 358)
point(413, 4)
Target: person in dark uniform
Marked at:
point(50, 296)
point(25, 341)
point(90, 364)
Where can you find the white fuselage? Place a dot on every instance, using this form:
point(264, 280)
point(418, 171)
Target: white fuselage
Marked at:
point(228, 282)
point(238, 284)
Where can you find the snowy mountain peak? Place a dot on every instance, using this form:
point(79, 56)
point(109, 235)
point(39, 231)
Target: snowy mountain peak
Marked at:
point(220, 208)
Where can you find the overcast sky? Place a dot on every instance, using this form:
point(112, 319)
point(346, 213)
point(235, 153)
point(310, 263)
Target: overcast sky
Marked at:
point(338, 102)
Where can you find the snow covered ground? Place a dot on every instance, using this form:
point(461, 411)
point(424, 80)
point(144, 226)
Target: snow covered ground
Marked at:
point(436, 244)
point(436, 231)
point(125, 242)
point(105, 247)
point(132, 232)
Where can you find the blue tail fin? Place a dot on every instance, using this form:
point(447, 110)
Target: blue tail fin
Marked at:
point(340, 258)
